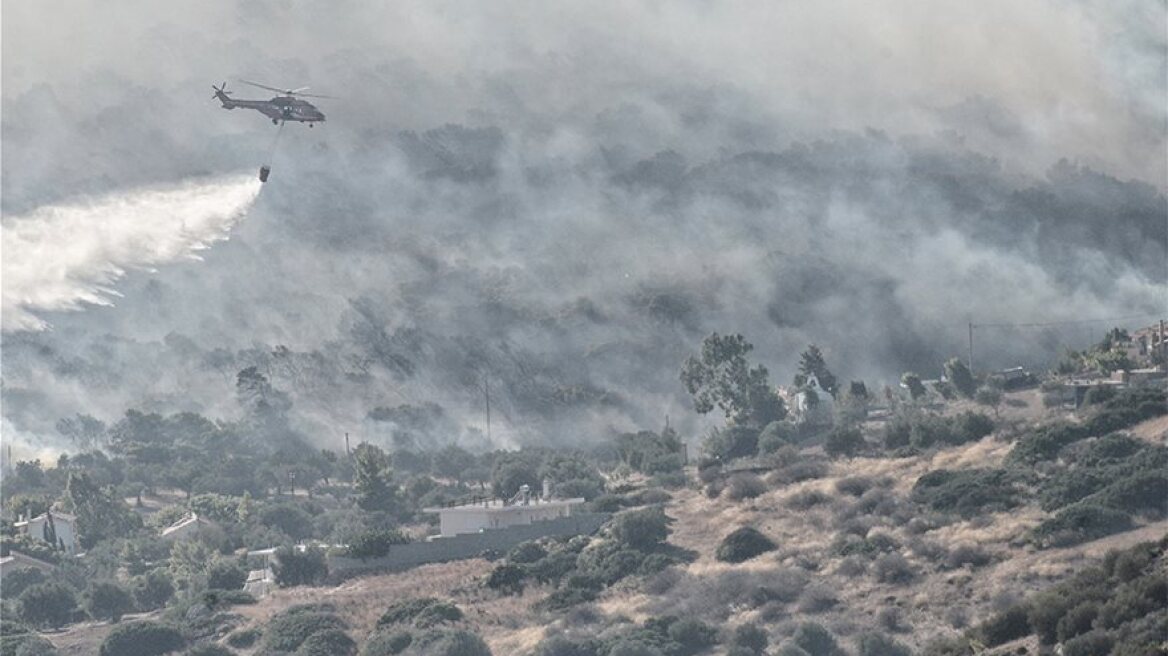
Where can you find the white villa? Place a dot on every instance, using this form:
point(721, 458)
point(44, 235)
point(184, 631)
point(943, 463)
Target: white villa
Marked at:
point(486, 514)
point(54, 527)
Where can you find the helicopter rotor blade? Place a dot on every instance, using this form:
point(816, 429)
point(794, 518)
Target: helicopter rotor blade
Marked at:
point(263, 86)
point(288, 92)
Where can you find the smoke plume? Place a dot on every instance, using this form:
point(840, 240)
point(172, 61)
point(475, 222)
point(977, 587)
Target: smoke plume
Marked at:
point(61, 257)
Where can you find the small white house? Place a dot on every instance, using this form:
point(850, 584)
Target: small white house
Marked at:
point(57, 528)
point(487, 514)
point(188, 527)
point(812, 404)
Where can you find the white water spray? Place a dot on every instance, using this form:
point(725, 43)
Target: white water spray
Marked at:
point(62, 257)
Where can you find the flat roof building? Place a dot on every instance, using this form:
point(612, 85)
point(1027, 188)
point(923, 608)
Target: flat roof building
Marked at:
point(485, 514)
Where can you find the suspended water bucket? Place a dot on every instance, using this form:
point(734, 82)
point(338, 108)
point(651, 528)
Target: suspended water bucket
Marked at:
point(264, 171)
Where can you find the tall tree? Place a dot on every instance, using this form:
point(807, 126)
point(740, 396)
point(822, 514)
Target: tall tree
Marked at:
point(911, 381)
point(99, 514)
point(373, 479)
point(960, 377)
point(811, 363)
point(721, 377)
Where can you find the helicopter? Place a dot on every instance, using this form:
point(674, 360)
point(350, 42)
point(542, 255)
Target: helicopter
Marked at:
point(286, 107)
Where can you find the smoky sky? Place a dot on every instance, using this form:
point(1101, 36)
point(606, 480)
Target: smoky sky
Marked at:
point(561, 200)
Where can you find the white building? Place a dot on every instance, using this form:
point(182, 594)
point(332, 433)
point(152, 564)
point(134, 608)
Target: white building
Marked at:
point(812, 404)
point(496, 513)
point(188, 527)
point(57, 528)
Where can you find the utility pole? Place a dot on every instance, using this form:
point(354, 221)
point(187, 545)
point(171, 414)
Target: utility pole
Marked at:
point(971, 347)
point(487, 394)
point(348, 454)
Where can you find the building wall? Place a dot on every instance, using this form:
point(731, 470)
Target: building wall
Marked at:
point(460, 547)
point(469, 520)
point(64, 528)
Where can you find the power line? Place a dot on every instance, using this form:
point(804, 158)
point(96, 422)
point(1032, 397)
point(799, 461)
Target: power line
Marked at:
point(1043, 324)
point(1048, 324)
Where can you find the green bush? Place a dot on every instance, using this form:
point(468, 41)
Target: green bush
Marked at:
point(47, 604)
point(815, 640)
point(244, 638)
point(1044, 443)
point(750, 638)
point(142, 639)
point(843, 441)
point(288, 630)
point(743, 544)
point(569, 595)
point(608, 503)
point(386, 643)
point(893, 568)
point(450, 642)
point(106, 600)
point(328, 642)
point(870, 546)
point(1090, 644)
point(745, 486)
point(152, 590)
point(294, 567)
point(28, 644)
point(967, 492)
point(1080, 523)
point(226, 575)
point(17, 581)
point(375, 543)
point(924, 431)
point(421, 613)
point(615, 566)
point(731, 442)
point(693, 635)
point(1077, 621)
point(1008, 625)
point(221, 598)
point(970, 427)
point(553, 567)
point(507, 579)
point(1140, 492)
point(640, 529)
point(855, 486)
point(776, 435)
point(648, 497)
point(527, 552)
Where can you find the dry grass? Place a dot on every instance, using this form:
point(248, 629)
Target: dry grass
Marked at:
point(1152, 430)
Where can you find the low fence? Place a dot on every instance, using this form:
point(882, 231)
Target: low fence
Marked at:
point(460, 547)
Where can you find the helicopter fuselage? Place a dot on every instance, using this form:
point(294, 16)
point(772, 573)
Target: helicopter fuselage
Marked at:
point(279, 109)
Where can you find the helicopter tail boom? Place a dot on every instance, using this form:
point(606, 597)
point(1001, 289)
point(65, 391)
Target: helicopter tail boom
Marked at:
point(223, 96)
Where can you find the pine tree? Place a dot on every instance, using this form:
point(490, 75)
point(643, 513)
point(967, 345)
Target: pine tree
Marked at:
point(373, 479)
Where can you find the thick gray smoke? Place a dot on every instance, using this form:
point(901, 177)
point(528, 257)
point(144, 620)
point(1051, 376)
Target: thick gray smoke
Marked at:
point(561, 201)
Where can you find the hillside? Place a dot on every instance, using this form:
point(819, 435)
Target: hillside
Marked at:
point(856, 551)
